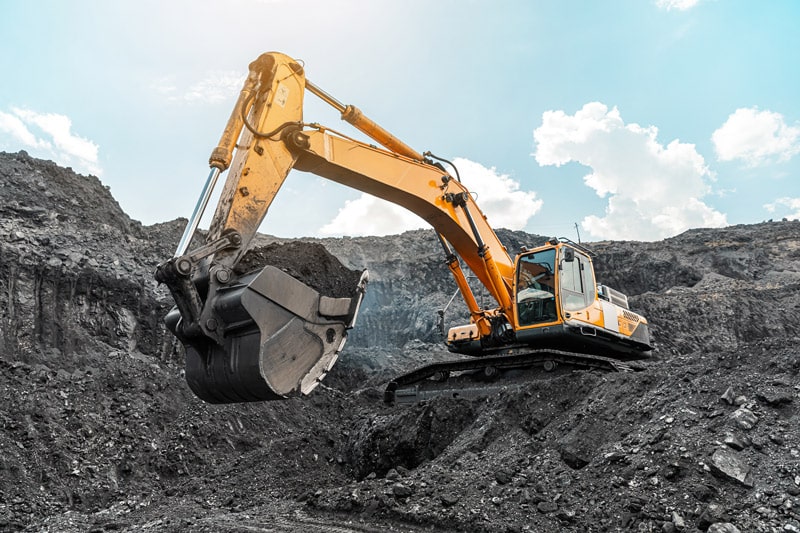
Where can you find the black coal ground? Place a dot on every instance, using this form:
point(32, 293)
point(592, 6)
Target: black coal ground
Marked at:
point(99, 432)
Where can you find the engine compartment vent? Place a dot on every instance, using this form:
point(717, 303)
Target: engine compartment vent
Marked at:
point(613, 296)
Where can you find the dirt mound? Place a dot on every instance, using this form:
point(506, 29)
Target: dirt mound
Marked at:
point(405, 439)
point(41, 191)
point(706, 438)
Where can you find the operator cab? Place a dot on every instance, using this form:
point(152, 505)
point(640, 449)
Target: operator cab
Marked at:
point(552, 277)
point(559, 305)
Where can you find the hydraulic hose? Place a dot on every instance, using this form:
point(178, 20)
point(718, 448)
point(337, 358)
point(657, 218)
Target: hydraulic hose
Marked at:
point(429, 154)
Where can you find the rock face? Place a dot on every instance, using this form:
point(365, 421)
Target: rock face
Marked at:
point(98, 430)
point(74, 268)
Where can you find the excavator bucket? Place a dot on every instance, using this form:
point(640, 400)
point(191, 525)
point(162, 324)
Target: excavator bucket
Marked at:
point(280, 338)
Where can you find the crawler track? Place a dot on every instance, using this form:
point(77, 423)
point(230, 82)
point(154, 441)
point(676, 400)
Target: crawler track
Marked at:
point(489, 374)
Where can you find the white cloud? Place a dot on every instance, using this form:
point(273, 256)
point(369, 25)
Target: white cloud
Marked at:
point(59, 127)
point(792, 203)
point(13, 125)
point(654, 190)
point(498, 196)
point(680, 5)
point(50, 136)
point(166, 87)
point(368, 215)
point(216, 86)
point(756, 137)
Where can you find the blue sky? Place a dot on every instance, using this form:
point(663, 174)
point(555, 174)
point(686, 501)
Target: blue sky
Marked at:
point(634, 119)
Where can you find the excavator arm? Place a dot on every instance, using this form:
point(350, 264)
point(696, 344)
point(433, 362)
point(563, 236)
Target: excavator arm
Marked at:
point(266, 335)
point(422, 188)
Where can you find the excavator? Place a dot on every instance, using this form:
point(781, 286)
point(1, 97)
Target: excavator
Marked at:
point(264, 335)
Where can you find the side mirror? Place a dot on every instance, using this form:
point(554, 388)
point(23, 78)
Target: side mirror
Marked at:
point(569, 254)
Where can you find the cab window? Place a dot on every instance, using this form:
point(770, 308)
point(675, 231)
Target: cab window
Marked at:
point(536, 288)
point(577, 283)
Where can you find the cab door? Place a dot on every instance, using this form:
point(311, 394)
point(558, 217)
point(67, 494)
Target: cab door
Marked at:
point(576, 280)
point(536, 288)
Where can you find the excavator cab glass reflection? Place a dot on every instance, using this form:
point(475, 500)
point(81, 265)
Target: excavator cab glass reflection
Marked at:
point(536, 292)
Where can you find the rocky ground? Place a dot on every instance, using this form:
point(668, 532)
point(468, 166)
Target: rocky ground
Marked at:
point(99, 432)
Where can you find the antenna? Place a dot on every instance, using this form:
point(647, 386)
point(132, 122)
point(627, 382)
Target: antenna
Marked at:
point(578, 231)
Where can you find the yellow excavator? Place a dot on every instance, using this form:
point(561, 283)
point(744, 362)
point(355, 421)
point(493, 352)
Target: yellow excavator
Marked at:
point(265, 335)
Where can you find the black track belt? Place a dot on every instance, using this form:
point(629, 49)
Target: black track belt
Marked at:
point(402, 384)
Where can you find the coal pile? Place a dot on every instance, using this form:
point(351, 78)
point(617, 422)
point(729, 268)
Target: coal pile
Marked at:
point(310, 263)
point(99, 432)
